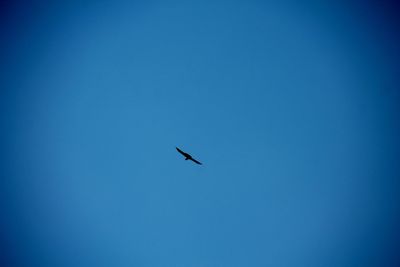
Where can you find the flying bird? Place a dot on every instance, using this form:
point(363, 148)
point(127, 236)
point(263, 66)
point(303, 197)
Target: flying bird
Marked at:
point(187, 156)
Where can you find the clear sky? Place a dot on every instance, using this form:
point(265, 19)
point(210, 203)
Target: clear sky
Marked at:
point(292, 108)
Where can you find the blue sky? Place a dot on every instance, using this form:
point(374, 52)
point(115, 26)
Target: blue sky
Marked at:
point(291, 107)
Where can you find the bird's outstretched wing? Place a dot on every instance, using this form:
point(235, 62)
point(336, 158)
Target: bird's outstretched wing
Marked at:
point(183, 153)
point(198, 162)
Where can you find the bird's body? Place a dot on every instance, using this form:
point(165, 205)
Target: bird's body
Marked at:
point(188, 156)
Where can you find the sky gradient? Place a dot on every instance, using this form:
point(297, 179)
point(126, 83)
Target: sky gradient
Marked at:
point(292, 108)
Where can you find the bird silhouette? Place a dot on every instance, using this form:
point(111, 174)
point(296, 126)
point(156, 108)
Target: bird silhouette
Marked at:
point(187, 156)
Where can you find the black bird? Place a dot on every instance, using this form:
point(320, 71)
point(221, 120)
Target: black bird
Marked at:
point(187, 156)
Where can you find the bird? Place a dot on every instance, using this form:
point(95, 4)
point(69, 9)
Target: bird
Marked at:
point(188, 157)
